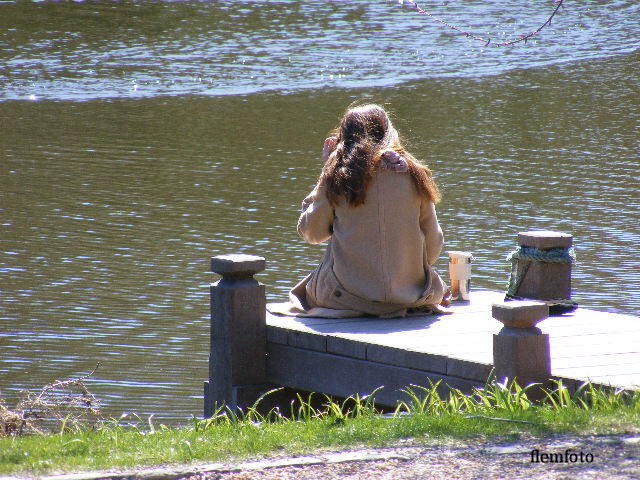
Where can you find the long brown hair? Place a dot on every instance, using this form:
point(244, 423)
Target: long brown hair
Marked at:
point(363, 134)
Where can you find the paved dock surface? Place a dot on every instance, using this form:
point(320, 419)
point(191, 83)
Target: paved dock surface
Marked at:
point(585, 344)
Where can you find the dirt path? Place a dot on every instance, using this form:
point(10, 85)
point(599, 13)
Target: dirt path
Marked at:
point(614, 457)
point(569, 457)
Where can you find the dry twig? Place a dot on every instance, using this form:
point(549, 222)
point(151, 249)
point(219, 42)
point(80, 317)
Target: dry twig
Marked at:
point(63, 404)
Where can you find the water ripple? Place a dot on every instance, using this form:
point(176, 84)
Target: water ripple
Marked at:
point(87, 50)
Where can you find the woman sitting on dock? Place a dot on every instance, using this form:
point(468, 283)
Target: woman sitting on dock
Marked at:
point(374, 202)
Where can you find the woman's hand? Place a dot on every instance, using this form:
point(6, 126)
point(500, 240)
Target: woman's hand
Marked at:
point(446, 300)
point(328, 147)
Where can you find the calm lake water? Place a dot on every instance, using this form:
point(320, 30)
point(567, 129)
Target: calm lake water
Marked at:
point(138, 139)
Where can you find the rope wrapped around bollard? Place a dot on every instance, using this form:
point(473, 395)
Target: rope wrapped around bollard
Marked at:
point(521, 260)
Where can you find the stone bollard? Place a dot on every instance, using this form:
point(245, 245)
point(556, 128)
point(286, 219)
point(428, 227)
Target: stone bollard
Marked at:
point(237, 359)
point(541, 268)
point(520, 349)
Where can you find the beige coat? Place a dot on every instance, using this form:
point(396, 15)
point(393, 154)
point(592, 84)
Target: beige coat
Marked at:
point(378, 260)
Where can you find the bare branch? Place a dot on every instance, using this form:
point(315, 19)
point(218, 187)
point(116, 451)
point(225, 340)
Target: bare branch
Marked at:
point(487, 40)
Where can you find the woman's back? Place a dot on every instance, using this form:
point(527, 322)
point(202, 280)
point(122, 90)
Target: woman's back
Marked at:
point(388, 237)
point(380, 248)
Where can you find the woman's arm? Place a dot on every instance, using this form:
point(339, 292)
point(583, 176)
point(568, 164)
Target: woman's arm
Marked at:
point(434, 239)
point(316, 221)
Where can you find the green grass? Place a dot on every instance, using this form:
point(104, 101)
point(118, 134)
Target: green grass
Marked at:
point(495, 410)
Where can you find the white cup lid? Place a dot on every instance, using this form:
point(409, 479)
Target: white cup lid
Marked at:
point(460, 255)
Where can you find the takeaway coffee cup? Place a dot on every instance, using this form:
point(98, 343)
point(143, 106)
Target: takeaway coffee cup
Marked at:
point(460, 274)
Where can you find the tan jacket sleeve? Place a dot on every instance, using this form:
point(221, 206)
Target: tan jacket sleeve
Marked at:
point(315, 224)
point(434, 239)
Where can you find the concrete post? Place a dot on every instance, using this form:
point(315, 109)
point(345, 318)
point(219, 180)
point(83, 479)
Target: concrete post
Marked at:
point(237, 359)
point(543, 267)
point(520, 349)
